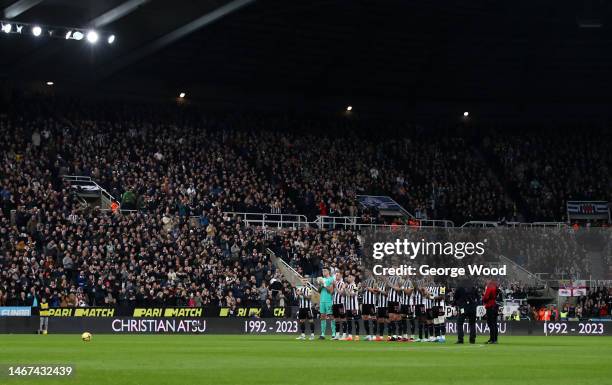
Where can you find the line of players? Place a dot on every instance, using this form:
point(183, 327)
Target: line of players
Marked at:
point(391, 302)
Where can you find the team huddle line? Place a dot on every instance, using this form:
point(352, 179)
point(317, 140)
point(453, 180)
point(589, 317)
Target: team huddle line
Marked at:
point(393, 303)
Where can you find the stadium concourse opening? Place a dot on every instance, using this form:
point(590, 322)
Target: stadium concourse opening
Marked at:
point(238, 191)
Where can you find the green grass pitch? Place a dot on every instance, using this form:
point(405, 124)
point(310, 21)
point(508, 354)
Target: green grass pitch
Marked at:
point(238, 359)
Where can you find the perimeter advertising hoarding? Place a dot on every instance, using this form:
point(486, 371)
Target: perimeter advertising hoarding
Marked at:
point(173, 312)
point(15, 311)
point(262, 326)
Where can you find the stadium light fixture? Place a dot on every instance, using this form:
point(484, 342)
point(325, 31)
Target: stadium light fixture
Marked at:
point(349, 108)
point(92, 37)
point(182, 95)
point(466, 114)
point(50, 83)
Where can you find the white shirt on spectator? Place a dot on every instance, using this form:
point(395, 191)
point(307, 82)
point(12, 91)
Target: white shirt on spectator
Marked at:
point(36, 138)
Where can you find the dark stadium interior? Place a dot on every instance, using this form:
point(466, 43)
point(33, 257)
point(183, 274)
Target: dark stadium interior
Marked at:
point(409, 58)
point(264, 129)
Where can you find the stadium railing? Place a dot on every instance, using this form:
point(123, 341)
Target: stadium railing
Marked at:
point(106, 199)
point(522, 274)
point(349, 222)
point(292, 276)
point(270, 219)
point(324, 222)
point(514, 224)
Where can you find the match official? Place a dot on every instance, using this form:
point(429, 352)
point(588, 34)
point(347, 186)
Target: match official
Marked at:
point(466, 301)
point(489, 300)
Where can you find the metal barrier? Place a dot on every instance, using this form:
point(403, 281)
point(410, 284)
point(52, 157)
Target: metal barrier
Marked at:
point(436, 223)
point(480, 224)
point(271, 219)
point(77, 178)
point(293, 276)
point(558, 225)
point(324, 222)
point(348, 222)
point(514, 224)
point(524, 275)
point(106, 199)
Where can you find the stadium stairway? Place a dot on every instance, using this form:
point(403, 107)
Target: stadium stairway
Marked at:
point(292, 276)
point(89, 192)
point(543, 291)
point(496, 170)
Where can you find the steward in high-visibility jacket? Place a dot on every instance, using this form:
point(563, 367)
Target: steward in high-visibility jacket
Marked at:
point(43, 312)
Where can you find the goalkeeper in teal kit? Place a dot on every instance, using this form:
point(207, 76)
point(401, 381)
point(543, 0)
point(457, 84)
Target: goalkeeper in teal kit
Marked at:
point(326, 284)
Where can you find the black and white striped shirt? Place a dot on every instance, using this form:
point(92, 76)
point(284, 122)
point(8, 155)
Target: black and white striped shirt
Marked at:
point(351, 301)
point(368, 297)
point(405, 298)
point(392, 294)
point(437, 291)
point(303, 294)
point(417, 298)
point(382, 295)
point(339, 296)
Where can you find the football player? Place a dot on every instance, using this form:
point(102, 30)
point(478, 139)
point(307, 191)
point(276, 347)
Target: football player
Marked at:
point(304, 297)
point(369, 298)
point(351, 304)
point(338, 309)
point(394, 292)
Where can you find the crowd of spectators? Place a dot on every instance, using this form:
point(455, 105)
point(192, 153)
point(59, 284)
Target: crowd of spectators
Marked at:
point(181, 173)
point(430, 175)
point(549, 168)
point(597, 303)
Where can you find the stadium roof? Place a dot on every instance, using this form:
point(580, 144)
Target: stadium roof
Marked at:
point(444, 51)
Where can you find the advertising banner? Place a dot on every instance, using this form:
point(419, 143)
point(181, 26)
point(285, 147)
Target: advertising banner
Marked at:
point(264, 326)
point(588, 210)
point(181, 312)
point(15, 311)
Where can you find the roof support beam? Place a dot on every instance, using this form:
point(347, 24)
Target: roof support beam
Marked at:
point(177, 34)
point(19, 7)
point(116, 13)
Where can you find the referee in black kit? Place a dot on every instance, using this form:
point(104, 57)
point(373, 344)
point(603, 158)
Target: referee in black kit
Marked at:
point(466, 300)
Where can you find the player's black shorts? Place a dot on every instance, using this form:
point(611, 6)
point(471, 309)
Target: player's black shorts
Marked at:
point(351, 313)
point(368, 309)
point(305, 313)
point(382, 312)
point(405, 310)
point(431, 314)
point(420, 310)
point(338, 310)
point(393, 307)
